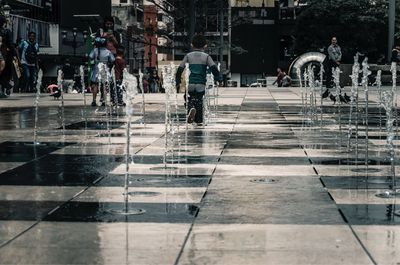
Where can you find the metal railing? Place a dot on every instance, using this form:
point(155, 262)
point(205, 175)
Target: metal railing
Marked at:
point(21, 26)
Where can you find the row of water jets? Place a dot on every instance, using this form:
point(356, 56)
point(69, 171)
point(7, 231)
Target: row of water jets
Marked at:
point(130, 88)
point(313, 112)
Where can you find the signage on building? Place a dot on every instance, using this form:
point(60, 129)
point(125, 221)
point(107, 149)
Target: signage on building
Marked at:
point(257, 15)
point(84, 14)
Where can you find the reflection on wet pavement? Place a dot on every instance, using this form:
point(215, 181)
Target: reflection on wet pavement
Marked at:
point(260, 184)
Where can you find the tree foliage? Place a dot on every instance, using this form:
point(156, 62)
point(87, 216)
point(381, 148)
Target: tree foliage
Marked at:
point(359, 25)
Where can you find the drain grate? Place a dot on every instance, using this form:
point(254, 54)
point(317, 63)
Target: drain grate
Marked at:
point(377, 181)
point(143, 193)
point(264, 181)
point(364, 169)
point(164, 168)
point(127, 212)
point(388, 194)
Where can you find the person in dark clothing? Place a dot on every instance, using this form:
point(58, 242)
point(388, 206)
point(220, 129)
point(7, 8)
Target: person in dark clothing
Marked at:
point(2, 66)
point(198, 62)
point(395, 54)
point(334, 58)
point(68, 70)
point(119, 67)
point(29, 60)
point(8, 52)
point(154, 82)
point(279, 77)
point(68, 76)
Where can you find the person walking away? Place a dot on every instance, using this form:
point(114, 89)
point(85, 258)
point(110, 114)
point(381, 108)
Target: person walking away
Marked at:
point(100, 54)
point(120, 65)
point(29, 61)
point(198, 62)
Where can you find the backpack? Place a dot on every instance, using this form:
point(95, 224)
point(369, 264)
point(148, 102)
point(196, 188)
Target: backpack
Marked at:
point(31, 53)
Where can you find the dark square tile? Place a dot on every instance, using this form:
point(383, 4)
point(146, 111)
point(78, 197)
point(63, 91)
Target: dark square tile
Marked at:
point(357, 182)
point(159, 181)
point(61, 170)
point(371, 214)
point(26, 210)
point(93, 125)
point(26, 151)
point(103, 212)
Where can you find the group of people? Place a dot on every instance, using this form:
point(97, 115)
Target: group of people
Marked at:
point(18, 61)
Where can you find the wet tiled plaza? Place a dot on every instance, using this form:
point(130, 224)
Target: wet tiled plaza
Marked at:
point(262, 183)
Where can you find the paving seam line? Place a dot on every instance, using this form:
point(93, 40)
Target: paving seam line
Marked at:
point(222, 151)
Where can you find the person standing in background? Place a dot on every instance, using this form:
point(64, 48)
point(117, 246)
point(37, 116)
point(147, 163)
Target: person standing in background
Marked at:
point(334, 58)
point(112, 37)
point(29, 61)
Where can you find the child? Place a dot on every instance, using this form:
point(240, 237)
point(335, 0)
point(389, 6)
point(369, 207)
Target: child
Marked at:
point(120, 65)
point(100, 54)
point(198, 61)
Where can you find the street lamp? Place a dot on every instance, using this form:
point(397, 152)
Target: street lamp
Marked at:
point(392, 20)
point(150, 55)
point(74, 43)
point(142, 61)
point(150, 32)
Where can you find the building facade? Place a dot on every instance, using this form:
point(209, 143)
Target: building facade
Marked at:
point(128, 16)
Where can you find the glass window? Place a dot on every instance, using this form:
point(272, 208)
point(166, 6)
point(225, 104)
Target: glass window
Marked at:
point(21, 26)
point(33, 2)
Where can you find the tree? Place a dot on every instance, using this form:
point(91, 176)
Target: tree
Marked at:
point(359, 25)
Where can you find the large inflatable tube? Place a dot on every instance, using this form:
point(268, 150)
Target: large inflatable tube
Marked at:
point(303, 60)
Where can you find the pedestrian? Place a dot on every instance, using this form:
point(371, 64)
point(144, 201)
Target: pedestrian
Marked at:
point(154, 81)
point(8, 53)
point(198, 62)
point(99, 54)
point(279, 77)
point(334, 58)
point(120, 65)
point(29, 61)
point(2, 66)
point(112, 37)
point(68, 76)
